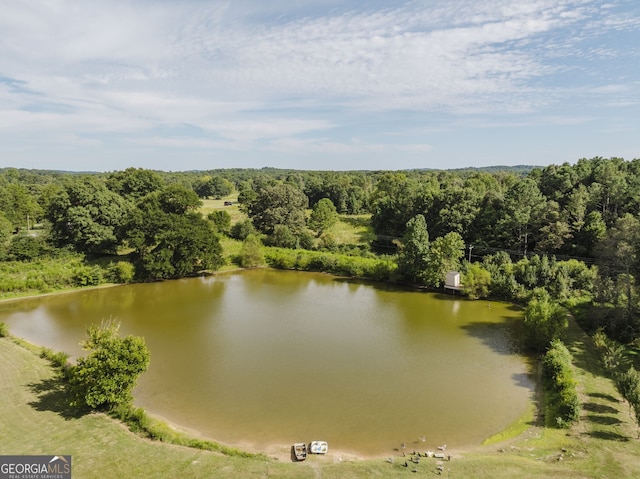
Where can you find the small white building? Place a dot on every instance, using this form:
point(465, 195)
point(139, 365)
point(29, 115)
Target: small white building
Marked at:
point(452, 281)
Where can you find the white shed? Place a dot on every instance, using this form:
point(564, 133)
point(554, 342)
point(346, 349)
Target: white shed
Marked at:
point(452, 280)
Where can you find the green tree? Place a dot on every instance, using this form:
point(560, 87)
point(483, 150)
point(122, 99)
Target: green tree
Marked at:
point(283, 237)
point(609, 187)
point(170, 239)
point(23, 247)
point(628, 385)
point(213, 187)
point(614, 355)
point(176, 199)
point(87, 216)
point(459, 206)
point(592, 232)
point(522, 208)
point(558, 182)
point(134, 183)
point(619, 255)
point(106, 377)
point(393, 204)
point(323, 216)
point(19, 206)
point(477, 281)
point(445, 254)
point(181, 246)
point(544, 320)
point(484, 228)
point(221, 221)
point(6, 229)
point(413, 258)
point(242, 229)
point(555, 229)
point(251, 255)
point(280, 204)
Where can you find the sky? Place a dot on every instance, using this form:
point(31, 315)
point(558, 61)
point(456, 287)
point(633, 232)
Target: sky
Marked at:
point(317, 84)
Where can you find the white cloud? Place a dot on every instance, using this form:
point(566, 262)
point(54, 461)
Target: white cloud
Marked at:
point(246, 72)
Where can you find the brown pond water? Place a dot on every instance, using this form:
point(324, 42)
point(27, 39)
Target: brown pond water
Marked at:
point(265, 357)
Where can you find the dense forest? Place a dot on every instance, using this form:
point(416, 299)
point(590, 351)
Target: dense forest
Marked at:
point(554, 239)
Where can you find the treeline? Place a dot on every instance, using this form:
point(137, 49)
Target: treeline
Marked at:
point(561, 210)
point(156, 223)
point(570, 229)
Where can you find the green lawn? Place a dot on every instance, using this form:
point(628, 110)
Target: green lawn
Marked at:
point(353, 229)
point(35, 420)
point(234, 210)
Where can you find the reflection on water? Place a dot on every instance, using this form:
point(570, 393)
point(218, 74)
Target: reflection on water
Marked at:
point(268, 356)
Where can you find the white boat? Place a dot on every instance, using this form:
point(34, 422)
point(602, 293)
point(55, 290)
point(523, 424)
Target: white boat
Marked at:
point(318, 447)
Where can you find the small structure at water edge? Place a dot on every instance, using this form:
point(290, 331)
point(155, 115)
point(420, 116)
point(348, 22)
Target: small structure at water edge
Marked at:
point(452, 281)
point(318, 447)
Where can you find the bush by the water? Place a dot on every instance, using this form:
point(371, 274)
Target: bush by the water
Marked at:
point(379, 269)
point(138, 421)
point(57, 359)
point(121, 272)
point(563, 406)
point(67, 270)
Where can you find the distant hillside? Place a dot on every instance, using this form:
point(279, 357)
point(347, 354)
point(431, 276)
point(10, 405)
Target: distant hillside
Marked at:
point(518, 169)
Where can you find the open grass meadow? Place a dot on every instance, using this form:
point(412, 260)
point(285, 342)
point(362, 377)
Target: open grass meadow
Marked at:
point(36, 420)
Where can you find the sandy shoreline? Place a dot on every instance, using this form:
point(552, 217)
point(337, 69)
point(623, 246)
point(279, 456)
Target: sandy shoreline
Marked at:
point(279, 451)
point(282, 452)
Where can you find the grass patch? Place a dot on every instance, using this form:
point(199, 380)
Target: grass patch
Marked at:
point(231, 250)
point(234, 210)
point(353, 229)
point(140, 422)
point(515, 429)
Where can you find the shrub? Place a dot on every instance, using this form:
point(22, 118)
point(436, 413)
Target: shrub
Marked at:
point(251, 254)
point(242, 229)
point(283, 237)
point(88, 276)
point(328, 242)
point(563, 404)
point(306, 240)
point(121, 272)
point(355, 266)
point(26, 247)
point(477, 281)
point(106, 377)
point(221, 221)
point(57, 359)
point(4, 330)
point(134, 417)
point(544, 320)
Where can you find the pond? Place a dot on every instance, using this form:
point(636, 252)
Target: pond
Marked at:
point(263, 357)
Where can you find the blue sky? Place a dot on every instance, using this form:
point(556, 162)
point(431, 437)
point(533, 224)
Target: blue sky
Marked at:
point(317, 84)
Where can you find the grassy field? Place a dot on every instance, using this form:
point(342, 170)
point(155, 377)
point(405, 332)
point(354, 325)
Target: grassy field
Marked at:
point(234, 210)
point(35, 420)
